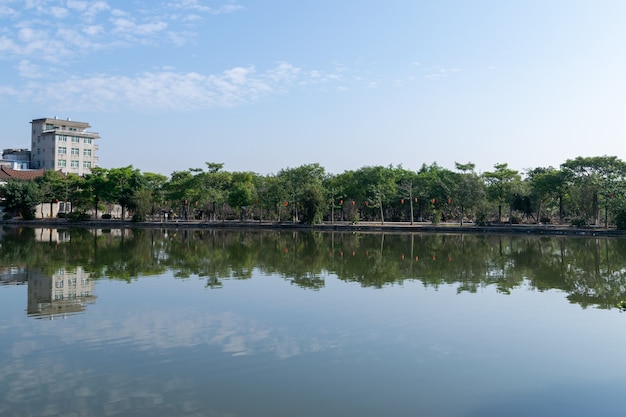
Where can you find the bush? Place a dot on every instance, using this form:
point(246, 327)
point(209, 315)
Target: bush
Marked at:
point(620, 219)
point(62, 215)
point(78, 215)
point(106, 216)
point(138, 218)
point(545, 220)
point(579, 222)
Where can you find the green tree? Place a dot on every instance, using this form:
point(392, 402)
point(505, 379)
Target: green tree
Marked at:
point(503, 184)
point(469, 191)
point(297, 182)
point(21, 197)
point(53, 186)
point(96, 189)
point(242, 192)
point(125, 183)
point(594, 179)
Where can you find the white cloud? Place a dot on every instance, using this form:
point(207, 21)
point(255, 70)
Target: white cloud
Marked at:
point(58, 12)
point(6, 11)
point(93, 30)
point(170, 90)
point(100, 26)
point(197, 6)
point(439, 72)
point(27, 69)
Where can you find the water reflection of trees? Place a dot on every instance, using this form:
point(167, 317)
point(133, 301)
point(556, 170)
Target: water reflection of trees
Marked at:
point(592, 271)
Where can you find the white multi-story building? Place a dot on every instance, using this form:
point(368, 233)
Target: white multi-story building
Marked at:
point(63, 145)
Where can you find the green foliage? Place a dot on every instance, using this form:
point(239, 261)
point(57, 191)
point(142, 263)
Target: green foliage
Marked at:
point(21, 197)
point(78, 215)
point(106, 216)
point(620, 219)
point(583, 188)
point(137, 217)
point(313, 204)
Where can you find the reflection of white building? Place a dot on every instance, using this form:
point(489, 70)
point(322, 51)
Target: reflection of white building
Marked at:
point(13, 275)
point(65, 292)
point(51, 235)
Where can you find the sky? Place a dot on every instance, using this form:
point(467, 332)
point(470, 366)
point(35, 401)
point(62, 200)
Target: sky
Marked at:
point(267, 85)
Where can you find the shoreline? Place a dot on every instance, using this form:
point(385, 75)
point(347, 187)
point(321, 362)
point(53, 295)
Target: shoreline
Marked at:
point(396, 227)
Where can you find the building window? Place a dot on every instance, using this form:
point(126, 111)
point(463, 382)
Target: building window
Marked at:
point(62, 150)
point(75, 151)
point(62, 138)
point(58, 296)
point(59, 284)
point(74, 164)
point(86, 164)
point(87, 140)
point(75, 139)
point(62, 163)
point(86, 152)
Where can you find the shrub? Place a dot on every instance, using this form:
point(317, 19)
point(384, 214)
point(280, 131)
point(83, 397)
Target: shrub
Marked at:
point(620, 219)
point(579, 222)
point(106, 216)
point(78, 215)
point(138, 218)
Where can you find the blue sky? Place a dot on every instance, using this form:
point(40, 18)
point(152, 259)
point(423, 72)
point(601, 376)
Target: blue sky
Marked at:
point(266, 85)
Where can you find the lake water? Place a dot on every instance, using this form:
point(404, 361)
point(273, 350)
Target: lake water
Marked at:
point(218, 323)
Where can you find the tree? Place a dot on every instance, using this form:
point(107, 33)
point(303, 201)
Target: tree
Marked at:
point(53, 187)
point(545, 184)
point(470, 189)
point(155, 184)
point(21, 197)
point(502, 185)
point(407, 186)
point(242, 192)
point(96, 188)
point(594, 178)
point(125, 183)
point(376, 185)
point(437, 186)
point(297, 182)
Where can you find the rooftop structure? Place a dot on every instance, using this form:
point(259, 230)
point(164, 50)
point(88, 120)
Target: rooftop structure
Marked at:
point(16, 158)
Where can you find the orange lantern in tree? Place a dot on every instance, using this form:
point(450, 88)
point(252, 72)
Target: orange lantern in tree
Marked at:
point(402, 201)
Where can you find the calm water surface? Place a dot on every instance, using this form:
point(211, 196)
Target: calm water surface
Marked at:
point(216, 323)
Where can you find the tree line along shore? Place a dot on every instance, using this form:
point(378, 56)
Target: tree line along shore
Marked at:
point(582, 192)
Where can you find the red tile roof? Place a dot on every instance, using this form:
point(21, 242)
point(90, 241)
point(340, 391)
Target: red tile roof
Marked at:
point(7, 173)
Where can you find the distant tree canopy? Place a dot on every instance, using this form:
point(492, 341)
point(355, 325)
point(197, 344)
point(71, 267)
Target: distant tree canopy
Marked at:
point(583, 191)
